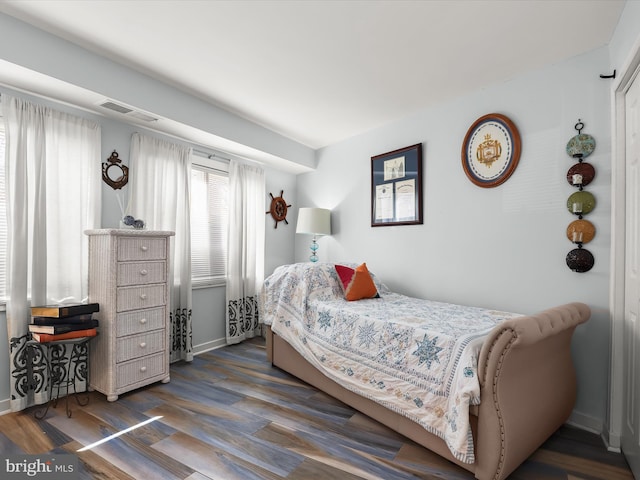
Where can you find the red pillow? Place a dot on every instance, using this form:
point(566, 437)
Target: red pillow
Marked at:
point(357, 284)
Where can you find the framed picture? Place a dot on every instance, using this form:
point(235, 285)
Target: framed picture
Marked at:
point(491, 150)
point(396, 187)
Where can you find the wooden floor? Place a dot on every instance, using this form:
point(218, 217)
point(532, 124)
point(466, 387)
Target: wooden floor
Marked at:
point(230, 415)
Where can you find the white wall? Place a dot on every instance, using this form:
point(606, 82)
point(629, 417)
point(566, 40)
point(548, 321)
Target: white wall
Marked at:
point(501, 248)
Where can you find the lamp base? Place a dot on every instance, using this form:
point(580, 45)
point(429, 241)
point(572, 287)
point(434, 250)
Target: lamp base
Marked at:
point(314, 250)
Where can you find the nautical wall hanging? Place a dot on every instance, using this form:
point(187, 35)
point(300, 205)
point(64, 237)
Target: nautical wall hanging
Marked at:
point(278, 209)
point(491, 150)
point(114, 173)
point(581, 202)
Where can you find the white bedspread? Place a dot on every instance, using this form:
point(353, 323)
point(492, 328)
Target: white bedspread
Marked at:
point(415, 357)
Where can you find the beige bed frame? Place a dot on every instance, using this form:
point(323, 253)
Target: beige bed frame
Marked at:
point(527, 389)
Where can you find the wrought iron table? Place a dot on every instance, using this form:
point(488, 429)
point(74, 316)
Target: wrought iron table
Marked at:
point(66, 362)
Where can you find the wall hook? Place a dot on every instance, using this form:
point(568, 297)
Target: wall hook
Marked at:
point(613, 75)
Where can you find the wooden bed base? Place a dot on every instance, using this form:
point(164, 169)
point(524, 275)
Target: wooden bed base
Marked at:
point(527, 387)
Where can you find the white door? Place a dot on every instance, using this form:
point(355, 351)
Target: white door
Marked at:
point(631, 408)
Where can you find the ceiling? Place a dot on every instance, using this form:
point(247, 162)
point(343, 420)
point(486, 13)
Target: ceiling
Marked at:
point(322, 71)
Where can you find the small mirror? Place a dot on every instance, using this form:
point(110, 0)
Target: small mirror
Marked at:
point(113, 173)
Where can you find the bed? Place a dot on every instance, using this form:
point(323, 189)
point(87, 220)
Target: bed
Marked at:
point(480, 387)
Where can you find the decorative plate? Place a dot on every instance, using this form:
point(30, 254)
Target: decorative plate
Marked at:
point(580, 260)
point(581, 145)
point(585, 171)
point(581, 231)
point(581, 203)
point(491, 150)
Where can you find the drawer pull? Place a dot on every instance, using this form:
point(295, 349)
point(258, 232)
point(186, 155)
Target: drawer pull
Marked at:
point(143, 272)
point(143, 345)
point(143, 296)
point(143, 321)
point(144, 248)
point(143, 369)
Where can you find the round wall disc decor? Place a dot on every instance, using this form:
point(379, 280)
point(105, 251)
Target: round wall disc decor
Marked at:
point(491, 150)
point(581, 203)
point(581, 174)
point(581, 145)
point(580, 260)
point(581, 231)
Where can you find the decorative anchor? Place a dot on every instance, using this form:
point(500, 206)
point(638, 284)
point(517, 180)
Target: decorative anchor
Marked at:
point(114, 173)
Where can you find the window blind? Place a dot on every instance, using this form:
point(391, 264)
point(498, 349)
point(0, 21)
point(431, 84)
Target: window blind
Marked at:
point(209, 221)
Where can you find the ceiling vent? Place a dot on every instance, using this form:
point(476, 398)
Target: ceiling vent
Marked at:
point(129, 112)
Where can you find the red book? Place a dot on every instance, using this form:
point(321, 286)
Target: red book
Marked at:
point(45, 337)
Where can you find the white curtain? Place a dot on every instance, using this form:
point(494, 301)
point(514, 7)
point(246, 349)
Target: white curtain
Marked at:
point(160, 195)
point(53, 174)
point(245, 264)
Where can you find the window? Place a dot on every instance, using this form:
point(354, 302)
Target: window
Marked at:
point(3, 217)
point(209, 220)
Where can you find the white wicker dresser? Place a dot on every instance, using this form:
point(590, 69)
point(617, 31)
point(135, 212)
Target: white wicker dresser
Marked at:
point(128, 277)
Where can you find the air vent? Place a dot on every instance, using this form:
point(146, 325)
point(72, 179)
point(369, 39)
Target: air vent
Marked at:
point(129, 112)
point(116, 108)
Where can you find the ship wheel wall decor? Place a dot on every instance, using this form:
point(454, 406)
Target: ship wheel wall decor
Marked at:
point(278, 208)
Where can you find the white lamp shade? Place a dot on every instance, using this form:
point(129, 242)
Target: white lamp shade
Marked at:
point(316, 221)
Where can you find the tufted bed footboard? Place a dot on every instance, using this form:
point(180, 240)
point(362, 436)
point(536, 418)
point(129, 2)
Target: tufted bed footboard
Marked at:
point(527, 384)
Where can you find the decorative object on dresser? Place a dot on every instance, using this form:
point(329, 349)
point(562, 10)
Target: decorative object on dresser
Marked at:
point(128, 277)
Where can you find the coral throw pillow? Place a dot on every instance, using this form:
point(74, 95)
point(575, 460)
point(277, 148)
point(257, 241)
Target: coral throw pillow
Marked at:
point(357, 284)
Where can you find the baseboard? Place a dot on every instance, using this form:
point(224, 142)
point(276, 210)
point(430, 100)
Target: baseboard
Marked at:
point(5, 406)
point(208, 346)
point(586, 422)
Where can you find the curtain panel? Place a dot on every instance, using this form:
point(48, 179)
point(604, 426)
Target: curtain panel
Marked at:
point(245, 262)
point(53, 182)
point(160, 195)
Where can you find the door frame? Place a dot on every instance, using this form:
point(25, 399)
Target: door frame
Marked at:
point(616, 416)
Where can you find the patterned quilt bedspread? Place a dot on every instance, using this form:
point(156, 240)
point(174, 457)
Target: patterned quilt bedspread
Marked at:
point(415, 357)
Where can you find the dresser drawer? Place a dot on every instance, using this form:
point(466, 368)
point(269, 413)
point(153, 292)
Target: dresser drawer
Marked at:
point(136, 346)
point(140, 321)
point(139, 370)
point(141, 273)
point(133, 298)
point(144, 248)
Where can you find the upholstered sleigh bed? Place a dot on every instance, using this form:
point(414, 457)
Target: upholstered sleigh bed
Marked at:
point(482, 388)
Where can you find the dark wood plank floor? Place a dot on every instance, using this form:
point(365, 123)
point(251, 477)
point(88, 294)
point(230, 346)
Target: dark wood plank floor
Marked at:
point(230, 415)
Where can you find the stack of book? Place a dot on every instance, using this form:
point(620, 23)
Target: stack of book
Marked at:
point(61, 322)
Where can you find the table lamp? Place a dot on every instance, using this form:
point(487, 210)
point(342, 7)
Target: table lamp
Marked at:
point(314, 221)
